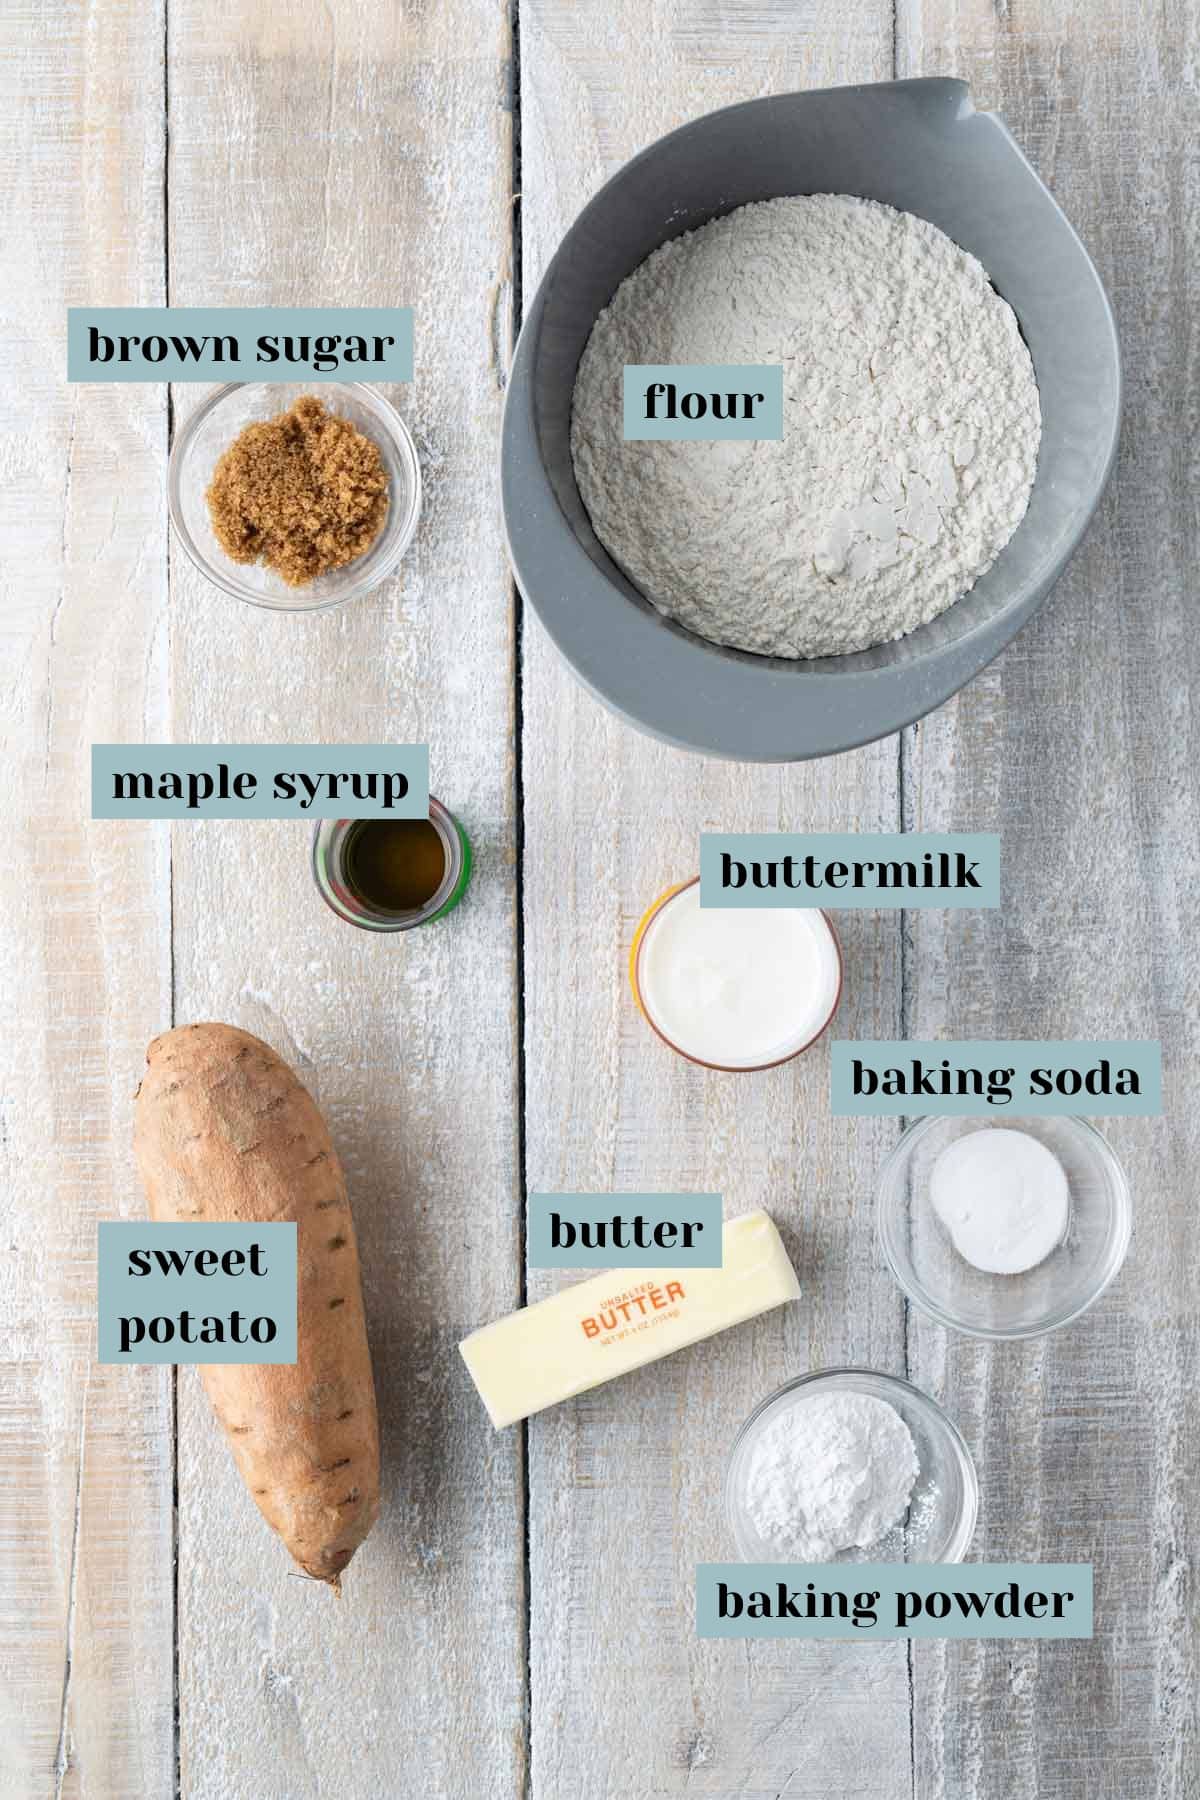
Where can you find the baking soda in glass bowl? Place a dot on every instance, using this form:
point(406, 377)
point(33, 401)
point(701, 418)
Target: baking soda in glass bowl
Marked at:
point(1072, 1249)
point(1003, 1197)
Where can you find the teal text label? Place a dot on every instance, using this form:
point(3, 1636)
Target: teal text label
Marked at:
point(260, 781)
point(894, 1600)
point(978, 1077)
point(196, 1293)
point(240, 343)
point(689, 1226)
point(846, 869)
point(703, 400)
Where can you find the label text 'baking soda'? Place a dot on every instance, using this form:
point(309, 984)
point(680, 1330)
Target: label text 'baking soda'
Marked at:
point(1038, 1079)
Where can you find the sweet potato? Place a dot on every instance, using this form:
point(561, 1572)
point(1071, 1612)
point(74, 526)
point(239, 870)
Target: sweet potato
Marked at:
point(224, 1131)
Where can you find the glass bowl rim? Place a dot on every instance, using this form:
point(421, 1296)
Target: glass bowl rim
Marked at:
point(1115, 1251)
point(963, 1531)
point(230, 584)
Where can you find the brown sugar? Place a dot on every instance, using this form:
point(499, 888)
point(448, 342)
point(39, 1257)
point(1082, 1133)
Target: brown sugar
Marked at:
point(304, 493)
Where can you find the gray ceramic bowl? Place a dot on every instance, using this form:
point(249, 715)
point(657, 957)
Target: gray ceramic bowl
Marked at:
point(922, 147)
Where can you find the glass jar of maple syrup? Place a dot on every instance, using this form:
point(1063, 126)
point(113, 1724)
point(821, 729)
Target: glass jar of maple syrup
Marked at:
point(392, 874)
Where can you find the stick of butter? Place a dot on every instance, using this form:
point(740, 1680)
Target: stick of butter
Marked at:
point(616, 1322)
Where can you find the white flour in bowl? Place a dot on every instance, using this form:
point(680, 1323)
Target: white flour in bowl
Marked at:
point(910, 428)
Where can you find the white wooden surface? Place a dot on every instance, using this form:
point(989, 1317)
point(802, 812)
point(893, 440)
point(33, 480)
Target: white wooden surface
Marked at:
point(1076, 745)
point(304, 168)
point(362, 153)
point(85, 1452)
point(625, 1486)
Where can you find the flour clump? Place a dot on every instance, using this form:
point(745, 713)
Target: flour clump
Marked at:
point(911, 425)
point(833, 1472)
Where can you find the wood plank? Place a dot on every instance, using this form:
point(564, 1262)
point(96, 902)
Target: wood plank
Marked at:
point(1079, 746)
point(85, 1546)
point(625, 1484)
point(360, 155)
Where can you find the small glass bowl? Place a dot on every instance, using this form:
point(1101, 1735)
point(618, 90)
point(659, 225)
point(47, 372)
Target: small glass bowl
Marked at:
point(919, 1251)
point(940, 1521)
point(212, 427)
point(643, 936)
point(330, 841)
